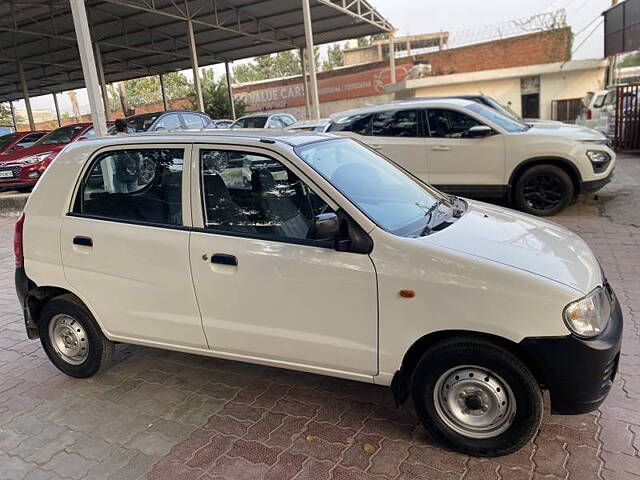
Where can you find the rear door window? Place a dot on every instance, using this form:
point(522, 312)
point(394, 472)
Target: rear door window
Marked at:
point(169, 122)
point(191, 120)
point(140, 185)
point(395, 123)
point(358, 124)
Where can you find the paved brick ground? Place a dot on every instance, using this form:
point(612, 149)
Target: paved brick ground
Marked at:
point(163, 415)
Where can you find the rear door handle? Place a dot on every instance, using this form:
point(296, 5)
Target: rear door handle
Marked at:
point(224, 259)
point(441, 148)
point(83, 241)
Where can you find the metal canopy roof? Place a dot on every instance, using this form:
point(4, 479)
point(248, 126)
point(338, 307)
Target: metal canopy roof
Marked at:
point(145, 37)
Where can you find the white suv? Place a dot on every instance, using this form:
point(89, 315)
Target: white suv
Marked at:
point(466, 148)
point(312, 252)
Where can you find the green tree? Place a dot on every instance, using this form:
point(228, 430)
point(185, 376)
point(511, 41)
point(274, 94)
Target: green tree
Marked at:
point(5, 115)
point(265, 67)
point(141, 91)
point(335, 58)
point(216, 97)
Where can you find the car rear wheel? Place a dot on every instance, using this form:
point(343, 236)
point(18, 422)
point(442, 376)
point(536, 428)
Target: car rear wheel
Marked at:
point(477, 397)
point(72, 338)
point(543, 190)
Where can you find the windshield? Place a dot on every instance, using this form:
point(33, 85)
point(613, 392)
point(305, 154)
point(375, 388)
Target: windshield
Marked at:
point(7, 139)
point(388, 196)
point(60, 136)
point(141, 123)
point(503, 121)
point(250, 122)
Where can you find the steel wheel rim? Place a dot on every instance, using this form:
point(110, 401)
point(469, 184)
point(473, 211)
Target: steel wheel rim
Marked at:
point(544, 192)
point(69, 339)
point(474, 402)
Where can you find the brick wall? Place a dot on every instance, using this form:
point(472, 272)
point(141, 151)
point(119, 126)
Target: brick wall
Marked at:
point(533, 49)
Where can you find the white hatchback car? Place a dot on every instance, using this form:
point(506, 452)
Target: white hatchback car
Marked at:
point(312, 252)
point(466, 148)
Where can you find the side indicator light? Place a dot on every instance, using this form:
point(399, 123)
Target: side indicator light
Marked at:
point(405, 293)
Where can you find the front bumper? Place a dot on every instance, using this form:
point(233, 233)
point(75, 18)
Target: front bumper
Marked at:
point(595, 185)
point(578, 373)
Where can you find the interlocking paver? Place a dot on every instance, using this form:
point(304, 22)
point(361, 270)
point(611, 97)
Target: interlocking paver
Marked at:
point(167, 415)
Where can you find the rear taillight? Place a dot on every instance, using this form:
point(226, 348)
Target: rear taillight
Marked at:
point(589, 114)
point(17, 241)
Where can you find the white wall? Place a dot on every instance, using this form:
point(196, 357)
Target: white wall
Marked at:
point(566, 85)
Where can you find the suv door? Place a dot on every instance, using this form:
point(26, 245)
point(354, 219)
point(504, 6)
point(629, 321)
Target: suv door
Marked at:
point(461, 164)
point(398, 135)
point(267, 291)
point(125, 248)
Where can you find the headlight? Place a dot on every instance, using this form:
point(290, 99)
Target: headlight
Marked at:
point(599, 160)
point(589, 316)
point(37, 158)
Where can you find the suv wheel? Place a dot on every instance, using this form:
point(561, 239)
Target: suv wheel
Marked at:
point(477, 397)
point(72, 339)
point(543, 190)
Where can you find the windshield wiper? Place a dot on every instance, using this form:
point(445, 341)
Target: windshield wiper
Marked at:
point(429, 213)
point(457, 210)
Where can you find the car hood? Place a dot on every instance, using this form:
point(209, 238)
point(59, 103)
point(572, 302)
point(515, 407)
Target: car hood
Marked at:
point(575, 132)
point(524, 242)
point(26, 152)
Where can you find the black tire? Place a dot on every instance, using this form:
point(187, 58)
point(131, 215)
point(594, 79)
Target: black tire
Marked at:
point(98, 349)
point(462, 352)
point(543, 190)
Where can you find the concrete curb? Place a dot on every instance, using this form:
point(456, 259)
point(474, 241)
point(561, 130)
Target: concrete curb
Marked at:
point(12, 203)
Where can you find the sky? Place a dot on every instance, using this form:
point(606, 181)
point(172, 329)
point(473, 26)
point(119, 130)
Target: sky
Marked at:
point(411, 17)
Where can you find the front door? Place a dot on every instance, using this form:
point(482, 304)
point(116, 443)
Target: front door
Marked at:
point(267, 291)
point(125, 249)
point(460, 164)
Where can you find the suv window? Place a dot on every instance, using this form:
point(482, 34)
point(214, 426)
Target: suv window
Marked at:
point(287, 120)
point(275, 122)
point(449, 123)
point(250, 193)
point(169, 122)
point(395, 123)
point(359, 124)
point(191, 120)
point(142, 185)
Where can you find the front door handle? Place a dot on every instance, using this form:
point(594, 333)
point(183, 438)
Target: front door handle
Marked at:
point(441, 148)
point(224, 259)
point(83, 241)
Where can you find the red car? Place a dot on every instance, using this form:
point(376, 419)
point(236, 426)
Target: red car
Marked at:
point(22, 169)
point(13, 142)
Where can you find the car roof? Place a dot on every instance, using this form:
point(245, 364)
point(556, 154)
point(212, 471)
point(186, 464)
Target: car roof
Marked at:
point(245, 136)
point(409, 103)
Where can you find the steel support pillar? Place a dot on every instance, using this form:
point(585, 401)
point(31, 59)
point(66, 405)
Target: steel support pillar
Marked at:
point(103, 85)
point(13, 117)
point(165, 104)
point(304, 83)
point(25, 95)
point(83, 37)
point(308, 33)
point(194, 66)
point(392, 58)
point(230, 89)
point(55, 104)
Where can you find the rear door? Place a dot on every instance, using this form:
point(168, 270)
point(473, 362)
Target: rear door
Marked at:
point(461, 164)
point(125, 245)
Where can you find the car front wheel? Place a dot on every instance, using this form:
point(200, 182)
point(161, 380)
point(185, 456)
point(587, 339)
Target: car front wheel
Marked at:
point(477, 397)
point(543, 190)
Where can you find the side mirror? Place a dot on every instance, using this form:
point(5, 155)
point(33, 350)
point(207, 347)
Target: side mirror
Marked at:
point(479, 131)
point(326, 226)
point(17, 148)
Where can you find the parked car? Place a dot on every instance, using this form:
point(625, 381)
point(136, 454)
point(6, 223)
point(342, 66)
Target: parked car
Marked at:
point(272, 120)
point(22, 169)
point(310, 125)
point(168, 121)
point(471, 309)
point(14, 142)
point(221, 123)
point(467, 148)
point(590, 111)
